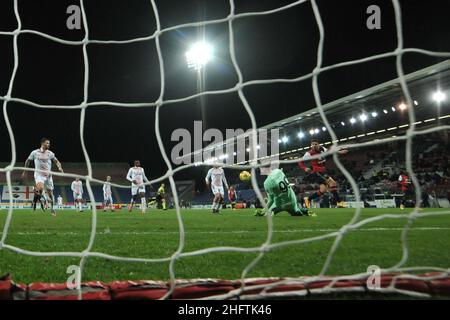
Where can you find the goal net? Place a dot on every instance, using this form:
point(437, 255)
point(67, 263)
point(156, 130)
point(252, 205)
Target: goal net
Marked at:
point(401, 278)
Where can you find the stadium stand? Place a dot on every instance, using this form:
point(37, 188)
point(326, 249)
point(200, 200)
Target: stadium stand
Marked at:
point(376, 170)
point(117, 171)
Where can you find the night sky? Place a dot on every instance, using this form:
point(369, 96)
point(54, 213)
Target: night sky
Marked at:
point(281, 45)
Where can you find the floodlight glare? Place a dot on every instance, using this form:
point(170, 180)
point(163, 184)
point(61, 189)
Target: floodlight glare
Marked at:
point(393, 109)
point(439, 96)
point(385, 111)
point(352, 120)
point(211, 160)
point(374, 114)
point(311, 132)
point(199, 54)
point(316, 130)
point(301, 134)
point(324, 129)
point(342, 123)
point(402, 106)
point(363, 117)
point(416, 103)
point(285, 139)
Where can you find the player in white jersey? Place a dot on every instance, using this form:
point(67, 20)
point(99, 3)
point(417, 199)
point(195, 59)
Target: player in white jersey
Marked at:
point(136, 176)
point(218, 179)
point(43, 159)
point(77, 189)
point(59, 201)
point(107, 195)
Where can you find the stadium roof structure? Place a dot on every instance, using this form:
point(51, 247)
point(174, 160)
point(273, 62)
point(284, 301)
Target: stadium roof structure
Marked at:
point(420, 83)
point(387, 97)
point(385, 100)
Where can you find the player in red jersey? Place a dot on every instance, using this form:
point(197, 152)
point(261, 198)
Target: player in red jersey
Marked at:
point(405, 187)
point(319, 173)
point(232, 196)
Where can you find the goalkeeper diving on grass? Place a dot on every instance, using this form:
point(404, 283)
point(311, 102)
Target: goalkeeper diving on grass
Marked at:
point(281, 197)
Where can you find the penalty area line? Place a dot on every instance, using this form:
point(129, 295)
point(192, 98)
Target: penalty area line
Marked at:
point(137, 233)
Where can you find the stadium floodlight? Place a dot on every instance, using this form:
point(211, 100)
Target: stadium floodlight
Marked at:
point(402, 106)
point(343, 123)
point(374, 114)
point(324, 129)
point(316, 131)
point(439, 96)
point(198, 55)
point(311, 132)
point(393, 109)
point(363, 117)
point(352, 120)
point(248, 149)
point(285, 139)
point(385, 111)
point(416, 103)
point(301, 135)
point(234, 153)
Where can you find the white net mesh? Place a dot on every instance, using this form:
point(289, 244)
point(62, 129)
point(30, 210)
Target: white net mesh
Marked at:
point(268, 245)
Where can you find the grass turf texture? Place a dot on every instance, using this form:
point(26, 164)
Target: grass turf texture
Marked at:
point(155, 235)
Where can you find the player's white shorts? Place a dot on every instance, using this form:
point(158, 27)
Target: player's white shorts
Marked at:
point(107, 199)
point(217, 189)
point(46, 180)
point(137, 189)
point(77, 196)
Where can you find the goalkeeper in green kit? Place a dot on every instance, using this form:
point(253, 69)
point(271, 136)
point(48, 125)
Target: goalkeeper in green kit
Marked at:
point(281, 196)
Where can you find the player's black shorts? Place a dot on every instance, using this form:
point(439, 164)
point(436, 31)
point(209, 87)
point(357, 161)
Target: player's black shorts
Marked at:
point(409, 192)
point(319, 178)
point(159, 197)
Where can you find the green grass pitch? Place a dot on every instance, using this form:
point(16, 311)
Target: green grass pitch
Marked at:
point(155, 235)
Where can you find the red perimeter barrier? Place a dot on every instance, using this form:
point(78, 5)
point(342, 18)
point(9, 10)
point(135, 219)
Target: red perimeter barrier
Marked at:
point(202, 288)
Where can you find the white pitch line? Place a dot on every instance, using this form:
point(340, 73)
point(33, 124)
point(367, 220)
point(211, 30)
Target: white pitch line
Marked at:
point(132, 233)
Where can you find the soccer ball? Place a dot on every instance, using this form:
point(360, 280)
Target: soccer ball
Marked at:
point(245, 176)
